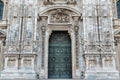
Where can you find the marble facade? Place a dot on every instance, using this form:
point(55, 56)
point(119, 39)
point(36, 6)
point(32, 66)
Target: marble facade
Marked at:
point(92, 25)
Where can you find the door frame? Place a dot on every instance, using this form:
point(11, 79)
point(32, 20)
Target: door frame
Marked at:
point(69, 48)
point(46, 46)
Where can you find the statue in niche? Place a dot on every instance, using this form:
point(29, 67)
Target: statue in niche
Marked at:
point(28, 33)
point(14, 34)
point(107, 33)
point(35, 49)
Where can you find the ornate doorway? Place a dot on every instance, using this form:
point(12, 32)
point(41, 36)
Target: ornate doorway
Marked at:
point(59, 57)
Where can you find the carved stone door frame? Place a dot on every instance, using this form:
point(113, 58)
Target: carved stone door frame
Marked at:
point(46, 46)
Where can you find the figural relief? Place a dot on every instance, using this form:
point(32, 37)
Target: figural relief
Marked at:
point(11, 62)
point(60, 17)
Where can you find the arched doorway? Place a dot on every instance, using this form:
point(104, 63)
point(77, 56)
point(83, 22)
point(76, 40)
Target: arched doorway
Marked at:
point(50, 23)
point(59, 56)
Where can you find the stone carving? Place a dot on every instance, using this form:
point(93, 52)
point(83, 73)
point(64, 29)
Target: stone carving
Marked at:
point(60, 17)
point(14, 34)
point(92, 48)
point(13, 48)
point(108, 61)
point(71, 1)
point(48, 2)
point(117, 40)
point(92, 63)
point(27, 62)
point(28, 48)
point(29, 28)
point(11, 62)
point(29, 33)
point(36, 46)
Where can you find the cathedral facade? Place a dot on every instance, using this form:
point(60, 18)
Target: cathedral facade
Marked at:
point(60, 39)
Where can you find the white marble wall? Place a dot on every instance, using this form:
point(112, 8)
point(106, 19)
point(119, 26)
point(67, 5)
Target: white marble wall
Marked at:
point(29, 21)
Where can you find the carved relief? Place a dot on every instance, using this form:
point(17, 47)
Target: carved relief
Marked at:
point(29, 28)
point(108, 61)
point(27, 62)
point(60, 17)
point(13, 48)
point(46, 2)
point(117, 40)
point(11, 62)
point(14, 30)
point(71, 1)
point(28, 48)
point(92, 63)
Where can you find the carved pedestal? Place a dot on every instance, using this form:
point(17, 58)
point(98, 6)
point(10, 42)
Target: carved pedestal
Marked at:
point(19, 66)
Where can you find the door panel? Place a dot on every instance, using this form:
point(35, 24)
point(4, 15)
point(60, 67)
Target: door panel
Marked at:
point(59, 60)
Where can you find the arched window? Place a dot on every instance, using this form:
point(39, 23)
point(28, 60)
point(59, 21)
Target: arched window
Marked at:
point(1, 9)
point(118, 9)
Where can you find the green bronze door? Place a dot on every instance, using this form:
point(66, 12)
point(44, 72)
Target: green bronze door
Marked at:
point(59, 58)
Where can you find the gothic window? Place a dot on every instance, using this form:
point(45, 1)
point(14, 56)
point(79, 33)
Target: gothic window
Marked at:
point(118, 9)
point(1, 9)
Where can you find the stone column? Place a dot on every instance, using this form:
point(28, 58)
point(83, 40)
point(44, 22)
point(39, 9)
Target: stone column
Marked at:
point(46, 46)
point(117, 49)
point(75, 27)
point(43, 25)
